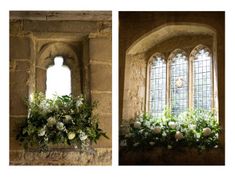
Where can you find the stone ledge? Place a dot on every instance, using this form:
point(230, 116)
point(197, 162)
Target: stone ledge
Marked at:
point(102, 156)
point(163, 156)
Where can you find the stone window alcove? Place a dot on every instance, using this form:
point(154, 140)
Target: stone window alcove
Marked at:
point(45, 61)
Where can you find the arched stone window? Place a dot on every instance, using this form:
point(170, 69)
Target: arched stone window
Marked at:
point(58, 79)
point(202, 77)
point(157, 84)
point(180, 84)
point(44, 64)
point(178, 81)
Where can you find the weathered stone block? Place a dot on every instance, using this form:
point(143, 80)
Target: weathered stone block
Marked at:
point(101, 49)
point(41, 79)
point(105, 122)
point(18, 92)
point(60, 26)
point(101, 77)
point(104, 102)
point(15, 27)
point(19, 48)
point(100, 156)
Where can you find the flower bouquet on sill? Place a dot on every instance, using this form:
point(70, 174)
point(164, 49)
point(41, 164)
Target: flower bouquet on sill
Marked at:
point(197, 128)
point(65, 120)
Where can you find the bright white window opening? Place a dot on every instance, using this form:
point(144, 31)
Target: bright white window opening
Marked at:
point(58, 79)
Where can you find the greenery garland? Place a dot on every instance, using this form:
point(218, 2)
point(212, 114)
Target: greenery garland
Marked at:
point(61, 120)
point(195, 128)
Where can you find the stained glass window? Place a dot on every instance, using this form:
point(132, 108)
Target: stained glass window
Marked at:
point(157, 86)
point(179, 83)
point(202, 85)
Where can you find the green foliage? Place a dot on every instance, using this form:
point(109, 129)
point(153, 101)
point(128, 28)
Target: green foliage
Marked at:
point(195, 128)
point(61, 120)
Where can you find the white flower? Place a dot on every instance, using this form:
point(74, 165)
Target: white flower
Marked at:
point(178, 135)
point(67, 119)
point(157, 130)
point(82, 136)
point(71, 135)
point(79, 103)
point(216, 146)
point(172, 125)
point(169, 147)
point(60, 126)
point(206, 131)
point(136, 144)
point(164, 134)
point(192, 126)
point(123, 143)
point(51, 121)
point(151, 143)
point(42, 132)
point(137, 125)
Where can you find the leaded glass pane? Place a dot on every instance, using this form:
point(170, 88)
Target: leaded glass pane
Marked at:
point(179, 84)
point(157, 98)
point(202, 85)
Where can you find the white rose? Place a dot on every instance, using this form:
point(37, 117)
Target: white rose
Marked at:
point(42, 132)
point(157, 130)
point(206, 131)
point(60, 126)
point(82, 136)
point(178, 135)
point(137, 125)
point(192, 126)
point(51, 121)
point(71, 135)
point(67, 119)
point(135, 144)
point(151, 143)
point(172, 125)
point(169, 147)
point(79, 103)
point(164, 134)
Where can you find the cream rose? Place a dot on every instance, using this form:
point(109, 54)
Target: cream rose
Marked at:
point(172, 125)
point(157, 130)
point(71, 135)
point(137, 125)
point(206, 131)
point(178, 136)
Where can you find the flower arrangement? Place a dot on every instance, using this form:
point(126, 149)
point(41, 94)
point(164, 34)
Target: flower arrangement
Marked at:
point(195, 128)
point(61, 120)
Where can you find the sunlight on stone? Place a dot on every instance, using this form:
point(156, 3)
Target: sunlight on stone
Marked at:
point(58, 79)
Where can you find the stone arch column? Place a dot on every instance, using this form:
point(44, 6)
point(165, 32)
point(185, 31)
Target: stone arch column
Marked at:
point(45, 58)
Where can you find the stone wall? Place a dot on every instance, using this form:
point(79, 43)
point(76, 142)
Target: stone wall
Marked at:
point(84, 40)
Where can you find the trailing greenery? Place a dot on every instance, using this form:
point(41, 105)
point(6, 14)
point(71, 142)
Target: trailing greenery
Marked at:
point(195, 128)
point(61, 120)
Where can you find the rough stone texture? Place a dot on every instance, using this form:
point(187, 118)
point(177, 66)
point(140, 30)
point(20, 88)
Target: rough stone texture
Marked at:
point(101, 49)
point(160, 156)
point(104, 102)
point(101, 77)
point(19, 48)
point(105, 122)
point(40, 83)
point(60, 26)
point(101, 156)
point(134, 99)
point(18, 92)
